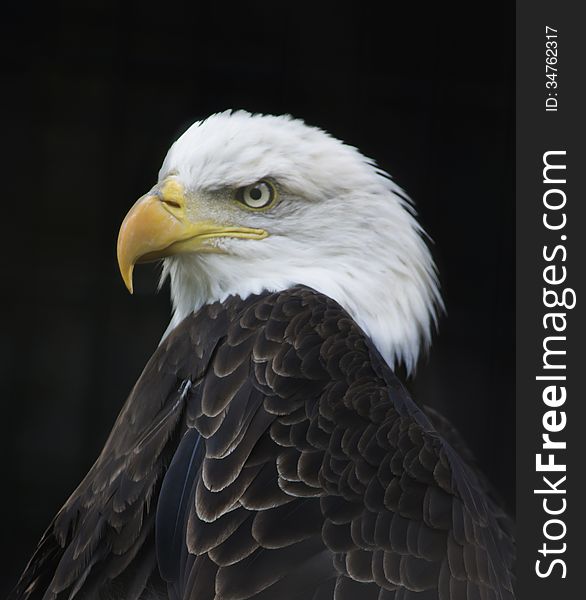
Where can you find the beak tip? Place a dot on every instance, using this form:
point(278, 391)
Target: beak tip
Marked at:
point(129, 286)
point(127, 278)
point(125, 263)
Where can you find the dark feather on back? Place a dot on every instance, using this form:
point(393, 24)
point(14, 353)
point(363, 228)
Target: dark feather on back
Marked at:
point(267, 451)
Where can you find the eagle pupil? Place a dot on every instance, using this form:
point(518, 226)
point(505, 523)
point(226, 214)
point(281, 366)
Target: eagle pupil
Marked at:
point(255, 193)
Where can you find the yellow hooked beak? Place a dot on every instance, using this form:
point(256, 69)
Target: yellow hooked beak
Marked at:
point(158, 226)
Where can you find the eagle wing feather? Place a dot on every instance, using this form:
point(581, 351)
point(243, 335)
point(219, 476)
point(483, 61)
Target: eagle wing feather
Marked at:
point(302, 469)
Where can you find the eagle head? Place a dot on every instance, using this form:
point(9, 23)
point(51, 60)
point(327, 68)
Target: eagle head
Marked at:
point(247, 203)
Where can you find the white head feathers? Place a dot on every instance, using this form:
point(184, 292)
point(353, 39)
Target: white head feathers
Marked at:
point(342, 227)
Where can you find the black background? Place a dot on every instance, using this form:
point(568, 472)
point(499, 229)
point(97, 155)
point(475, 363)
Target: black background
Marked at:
point(96, 92)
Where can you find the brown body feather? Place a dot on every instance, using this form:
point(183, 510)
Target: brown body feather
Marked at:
point(316, 476)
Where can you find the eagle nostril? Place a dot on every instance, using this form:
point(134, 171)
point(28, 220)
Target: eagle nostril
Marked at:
point(171, 203)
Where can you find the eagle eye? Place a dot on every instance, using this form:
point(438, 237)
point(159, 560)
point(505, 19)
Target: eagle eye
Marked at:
point(261, 194)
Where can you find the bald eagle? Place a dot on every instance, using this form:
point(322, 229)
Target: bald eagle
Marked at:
point(268, 450)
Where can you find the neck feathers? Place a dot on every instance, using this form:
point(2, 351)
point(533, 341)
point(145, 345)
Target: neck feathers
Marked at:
point(388, 286)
